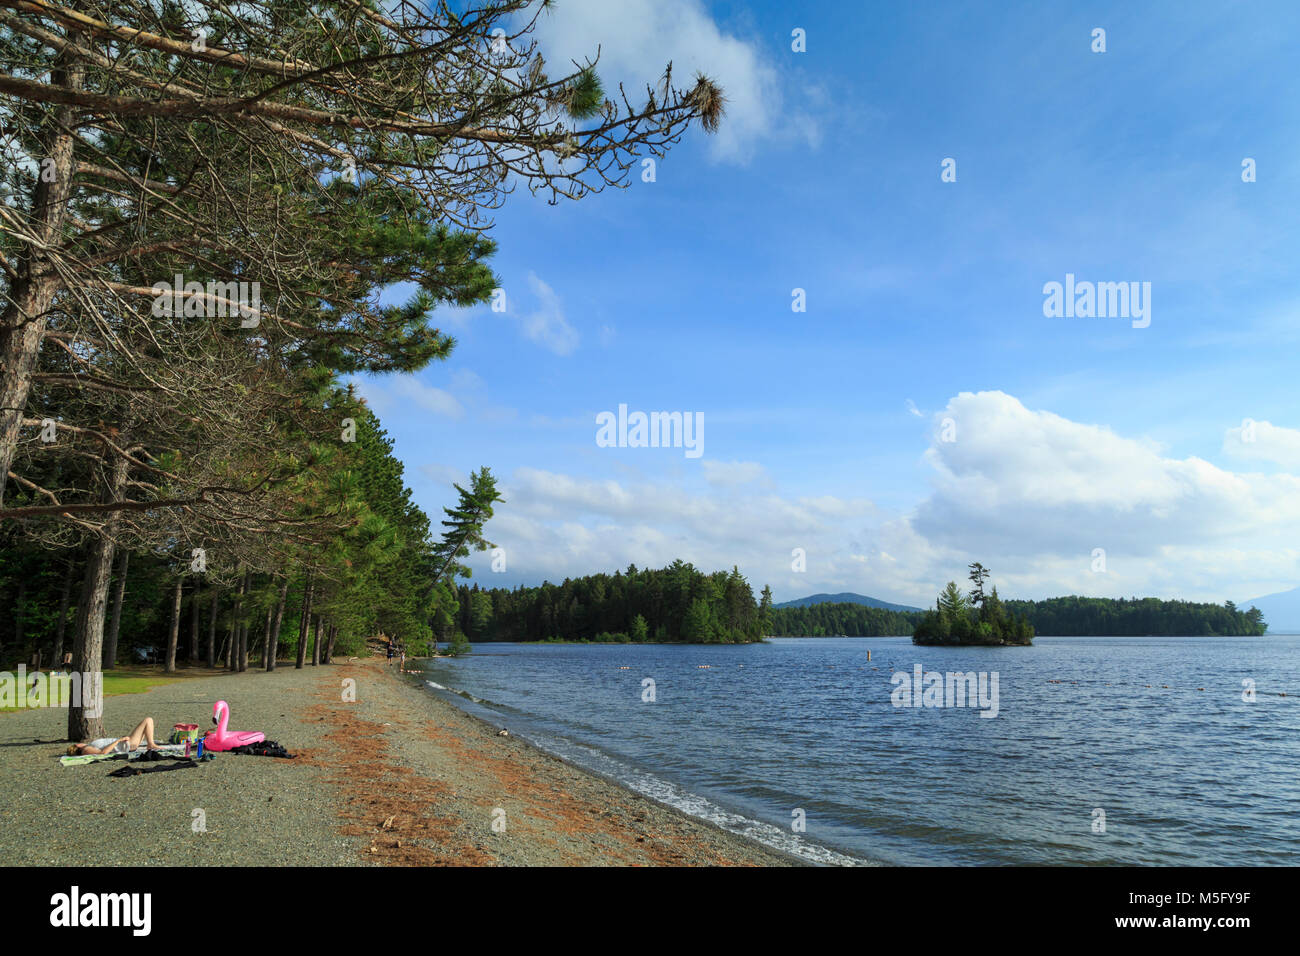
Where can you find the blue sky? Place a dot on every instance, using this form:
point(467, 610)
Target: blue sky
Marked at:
point(824, 429)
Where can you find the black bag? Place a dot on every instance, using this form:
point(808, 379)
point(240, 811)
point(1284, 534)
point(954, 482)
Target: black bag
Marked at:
point(266, 748)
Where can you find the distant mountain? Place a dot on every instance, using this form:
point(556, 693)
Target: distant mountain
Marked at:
point(848, 597)
point(1281, 610)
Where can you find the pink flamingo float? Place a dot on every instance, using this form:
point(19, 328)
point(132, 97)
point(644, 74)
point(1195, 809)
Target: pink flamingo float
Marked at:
point(223, 739)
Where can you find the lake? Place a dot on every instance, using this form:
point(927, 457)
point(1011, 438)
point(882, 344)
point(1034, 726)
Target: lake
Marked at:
point(1103, 750)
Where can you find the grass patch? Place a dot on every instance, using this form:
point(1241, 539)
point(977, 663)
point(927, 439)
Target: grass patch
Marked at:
point(121, 680)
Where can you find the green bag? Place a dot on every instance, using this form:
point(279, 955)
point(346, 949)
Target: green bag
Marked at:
point(183, 732)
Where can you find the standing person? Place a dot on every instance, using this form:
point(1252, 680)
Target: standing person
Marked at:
point(390, 653)
point(402, 664)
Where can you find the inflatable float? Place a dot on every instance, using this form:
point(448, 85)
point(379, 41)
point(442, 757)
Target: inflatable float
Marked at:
point(223, 739)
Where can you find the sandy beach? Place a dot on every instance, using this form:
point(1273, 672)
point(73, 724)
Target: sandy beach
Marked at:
point(396, 777)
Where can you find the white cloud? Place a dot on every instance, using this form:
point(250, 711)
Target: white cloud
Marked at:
point(394, 391)
point(1263, 441)
point(1036, 483)
point(547, 325)
point(466, 380)
point(728, 474)
point(637, 39)
point(557, 525)
point(1029, 493)
point(1032, 494)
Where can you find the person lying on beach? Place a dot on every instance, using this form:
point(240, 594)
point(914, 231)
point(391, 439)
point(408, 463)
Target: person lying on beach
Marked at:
point(143, 734)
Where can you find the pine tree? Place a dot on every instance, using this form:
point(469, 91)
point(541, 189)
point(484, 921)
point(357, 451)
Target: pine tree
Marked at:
point(697, 626)
point(978, 575)
point(765, 610)
point(953, 604)
point(465, 528)
point(994, 613)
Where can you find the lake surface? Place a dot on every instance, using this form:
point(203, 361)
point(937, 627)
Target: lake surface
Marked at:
point(1183, 775)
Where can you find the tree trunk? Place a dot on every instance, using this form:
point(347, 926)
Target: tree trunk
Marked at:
point(20, 612)
point(212, 628)
point(85, 716)
point(193, 657)
point(22, 322)
point(243, 627)
point(232, 653)
point(304, 623)
point(315, 644)
point(266, 635)
point(119, 595)
point(329, 646)
point(273, 647)
point(63, 611)
point(174, 633)
point(251, 652)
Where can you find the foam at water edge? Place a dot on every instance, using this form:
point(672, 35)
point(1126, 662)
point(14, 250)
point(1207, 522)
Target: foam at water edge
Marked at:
point(459, 693)
point(673, 796)
point(702, 808)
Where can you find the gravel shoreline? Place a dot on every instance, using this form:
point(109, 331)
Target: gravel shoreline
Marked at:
point(396, 777)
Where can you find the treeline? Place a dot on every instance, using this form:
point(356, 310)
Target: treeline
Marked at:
point(847, 620)
point(201, 607)
point(1062, 616)
point(678, 603)
point(186, 287)
point(1137, 617)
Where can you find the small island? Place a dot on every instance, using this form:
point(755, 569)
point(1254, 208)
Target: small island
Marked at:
point(980, 619)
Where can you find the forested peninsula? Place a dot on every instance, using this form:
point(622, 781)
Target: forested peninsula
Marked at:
point(676, 604)
point(682, 604)
point(1070, 616)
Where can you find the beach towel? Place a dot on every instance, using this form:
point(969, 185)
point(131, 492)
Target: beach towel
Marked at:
point(70, 761)
point(175, 750)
